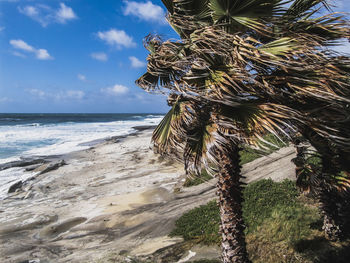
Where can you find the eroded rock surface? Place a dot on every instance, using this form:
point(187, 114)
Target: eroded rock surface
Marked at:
point(116, 198)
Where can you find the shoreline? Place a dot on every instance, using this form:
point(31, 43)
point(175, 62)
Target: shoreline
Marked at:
point(31, 163)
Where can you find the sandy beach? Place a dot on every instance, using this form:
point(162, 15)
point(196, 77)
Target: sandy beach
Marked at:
point(114, 198)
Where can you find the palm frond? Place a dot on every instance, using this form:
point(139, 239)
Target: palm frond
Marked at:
point(303, 7)
point(166, 136)
point(169, 4)
point(257, 67)
point(237, 14)
point(200, 139)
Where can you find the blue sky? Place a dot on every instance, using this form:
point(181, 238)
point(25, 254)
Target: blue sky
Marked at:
point(79, 55)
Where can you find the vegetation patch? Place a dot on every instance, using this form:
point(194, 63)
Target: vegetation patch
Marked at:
point(281, 226)
point(196, 180)
point(200, 225)
point(263, 198)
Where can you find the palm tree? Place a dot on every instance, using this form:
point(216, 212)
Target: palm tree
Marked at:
point(330, 179)
point(210, 134)
point(320, 174)
point(241, 69)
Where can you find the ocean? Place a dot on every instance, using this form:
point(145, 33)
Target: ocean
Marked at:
point(36, 135)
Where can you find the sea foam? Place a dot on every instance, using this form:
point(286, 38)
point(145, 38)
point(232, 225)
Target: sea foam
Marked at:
point(34, 140)
point(31, 140)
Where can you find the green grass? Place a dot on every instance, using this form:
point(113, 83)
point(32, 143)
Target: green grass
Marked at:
point(199, 225)
point(281, 226)
point(261, 199)
point(278, 236)
point(248, 155)
point(196, 180)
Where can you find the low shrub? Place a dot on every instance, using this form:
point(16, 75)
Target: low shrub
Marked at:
point(200, 225)
point(263, 197)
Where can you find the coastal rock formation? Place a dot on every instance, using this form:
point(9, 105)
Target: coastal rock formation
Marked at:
point(45, 168)
point(13, 188)
point(22, 163)
point(111, 201)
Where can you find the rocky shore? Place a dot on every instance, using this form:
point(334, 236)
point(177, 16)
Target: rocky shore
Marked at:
point(115, 199)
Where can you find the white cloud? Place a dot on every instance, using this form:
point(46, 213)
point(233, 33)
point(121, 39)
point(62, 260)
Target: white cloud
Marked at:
point(65, 14)
point(41, 14)
point(46, 15)
point(116, 38)
point(101, 56)
point(145, 11)
point(29, 11)
point(81, 77)
point(58, 96)
point(136, 63)
point(115, 90)
point(41, 54)
point(20, 44)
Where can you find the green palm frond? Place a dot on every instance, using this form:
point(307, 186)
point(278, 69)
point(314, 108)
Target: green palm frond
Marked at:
point(166, 136)
point(237, 14)
point(340, 181)
point(325, 29)
point(280, 46)
point(301, 8)
point(200, 138)
point(162, 133)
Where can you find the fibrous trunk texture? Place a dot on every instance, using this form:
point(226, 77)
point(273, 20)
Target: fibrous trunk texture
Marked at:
point(331, 208)
point(335, 208)
point(299, 160)
point(230, 202)
point(334, 205)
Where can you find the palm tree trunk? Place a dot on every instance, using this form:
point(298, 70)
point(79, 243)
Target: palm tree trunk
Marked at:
point(229, 191)
point(299, 160)
point(331, 221)
point(331, 201)
point(331, 205)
